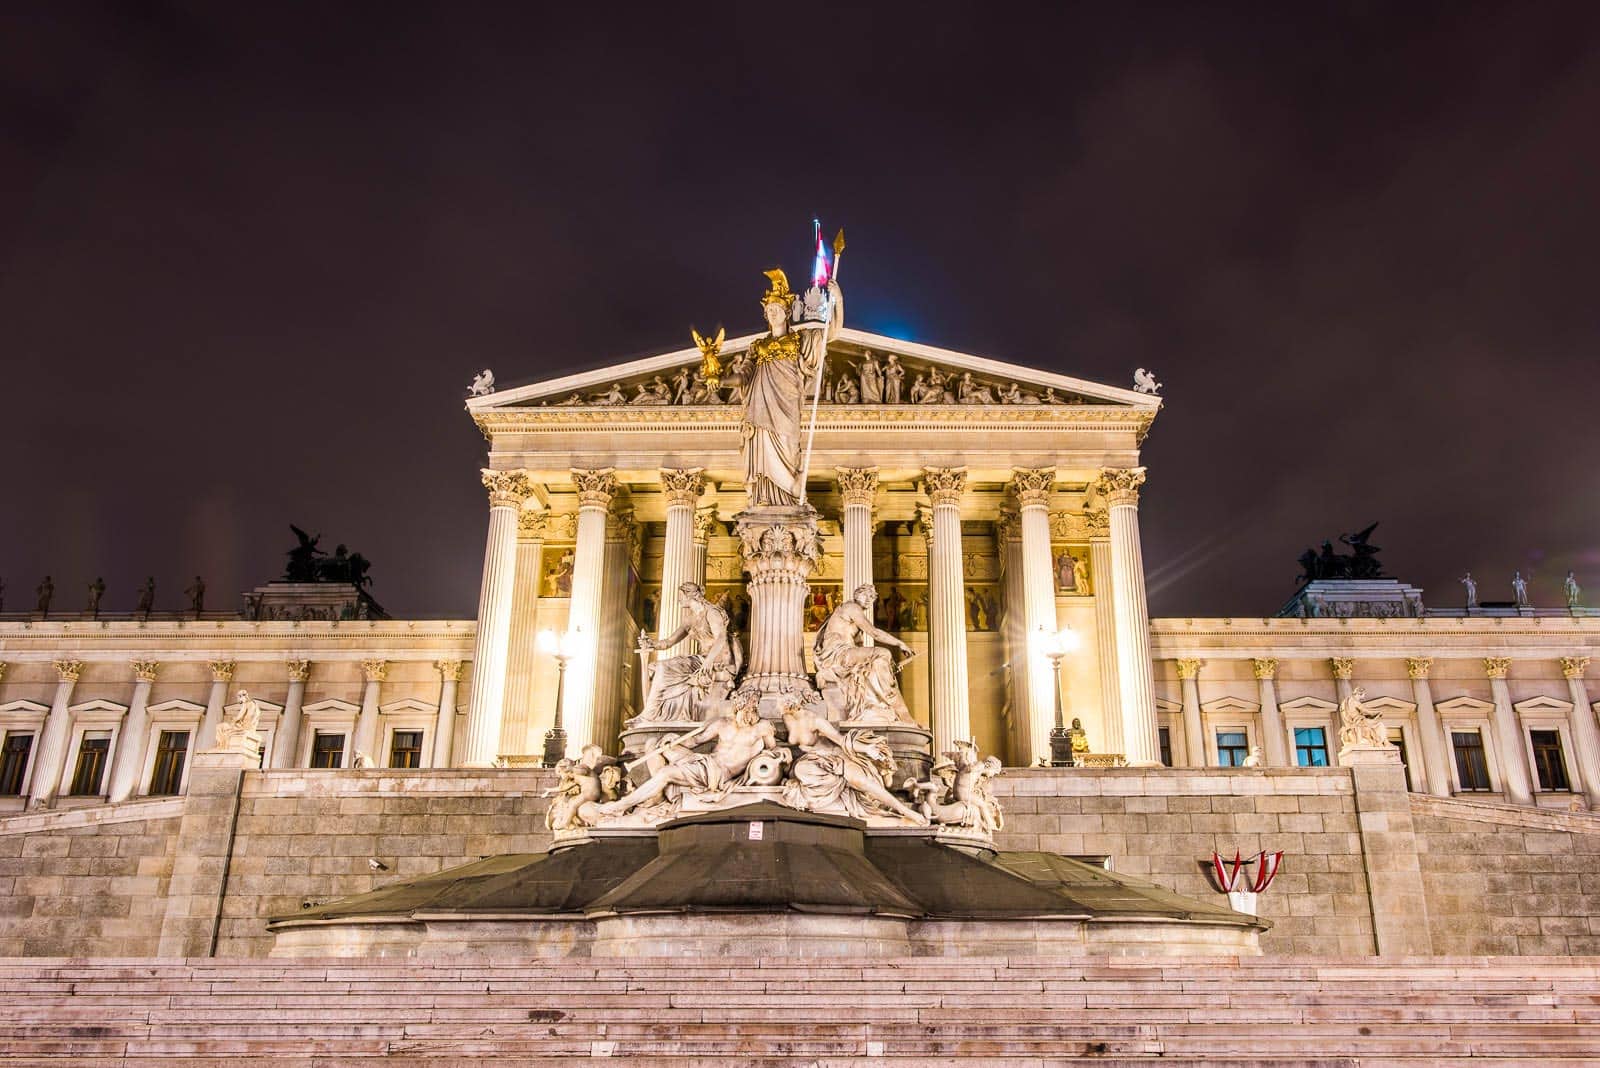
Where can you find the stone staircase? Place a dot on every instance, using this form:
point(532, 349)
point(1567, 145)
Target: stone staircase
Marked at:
point(769, 1012)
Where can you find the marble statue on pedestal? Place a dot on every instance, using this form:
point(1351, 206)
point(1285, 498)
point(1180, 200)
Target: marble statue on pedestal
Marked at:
point(1359, 726)
point(238, 730)
point(857, 680)
point(736, 739)
point(959, 794)
point(585, 784)
point(682, 688)
point(1571, 590)
point(1471, 586)
point(844, 774)
point(1519, 589)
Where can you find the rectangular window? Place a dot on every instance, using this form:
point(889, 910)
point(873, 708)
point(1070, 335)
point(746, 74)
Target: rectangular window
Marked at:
point(1232, 748)
point(1311, 747)
point(327, 750)
point(1165, 737)
point(14, 763)
point(166, 778)
point(1549, 761)
point(406, 750)
point(1472, 767)
point(92, 753)
point(1397, 738)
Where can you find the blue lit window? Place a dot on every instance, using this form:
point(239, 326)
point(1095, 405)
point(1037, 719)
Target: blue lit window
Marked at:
point(1232, 748)
point(1311, 747)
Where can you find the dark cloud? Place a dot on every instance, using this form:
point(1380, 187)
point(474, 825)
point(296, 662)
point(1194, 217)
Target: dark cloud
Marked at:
point(250, 256)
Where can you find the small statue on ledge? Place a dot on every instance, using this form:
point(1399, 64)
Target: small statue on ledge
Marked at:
point(482, 384)
point(237, 730)
point(1360, 727)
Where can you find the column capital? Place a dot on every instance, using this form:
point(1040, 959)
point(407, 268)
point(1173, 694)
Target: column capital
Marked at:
point(596, 486)
point(1419, 666)
point(221, 670)
point(858, 485)
point(682, 487)
point(945, 485)
point(1032, 485)
point(1098, 520)
point(532, 526)
point(1265, 667)
point(1496, 667)
point(1344, 667)
point(507, 489)
point(299, 670)
point(705, 520)
point(450, 670)
point(1009, 526)
point(1189, 667)
point(68, 670)
point(145, 670)
point(619, 524)
point(375, 669)
point(1573, 667)
point(1120, 485)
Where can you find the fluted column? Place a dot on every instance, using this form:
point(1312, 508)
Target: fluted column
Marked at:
point(947, 609)
point(1194, 739)
point(1032, 489)
point(366, 739)
point(517, 720)
point(131, 743)
point(1430, 732)
point(682, 490)
point(1014, 631)
point(1105, 627)
point(1275, 747)
point(1120, 490)
point(286, 745)
point(486, 700)
point(595, 490)
point(705, 522)
point(1585, 733)
point(858, 488)
point(221, 675)
point(444, 725)
point(53, 739)
point(1514, 772)
point(612, 666)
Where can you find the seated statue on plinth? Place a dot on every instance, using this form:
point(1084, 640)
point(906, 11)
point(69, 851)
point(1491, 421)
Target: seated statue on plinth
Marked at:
point(843, 774)
point(238, 731)
point(1359, 726)
point(856, 679)
point(737, 740)
point(683, 688)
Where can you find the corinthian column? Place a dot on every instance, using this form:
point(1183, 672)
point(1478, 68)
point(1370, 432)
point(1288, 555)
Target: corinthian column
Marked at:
point(595, 490)
point(1032, 487)
point(947, 609)
point(1276, 744)
point(612, 659)
point(705, 521)
point(1014, 630)
point(131, 742)
point(521, 639)
point(1508, 735)
point(444, 724)
point(682, 489)
point(858, 487)
point(1585, 734)
point(1194, 739)
point(287, 743)
point(53, 739)
point(1120, 490)
point(221, 675)
point(1105, 627)
point(366, 739)
point(490, 654)
point(1435, 753)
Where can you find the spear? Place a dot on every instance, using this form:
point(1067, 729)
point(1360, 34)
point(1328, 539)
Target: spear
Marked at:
point(816, 385)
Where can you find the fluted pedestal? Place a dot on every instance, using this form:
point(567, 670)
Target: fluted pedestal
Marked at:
point(780, 548)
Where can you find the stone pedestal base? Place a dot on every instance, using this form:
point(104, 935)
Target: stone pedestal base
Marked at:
point(780, 548)
point(912, 745)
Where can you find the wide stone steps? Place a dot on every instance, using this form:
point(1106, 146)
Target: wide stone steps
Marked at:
point(1034, 1012)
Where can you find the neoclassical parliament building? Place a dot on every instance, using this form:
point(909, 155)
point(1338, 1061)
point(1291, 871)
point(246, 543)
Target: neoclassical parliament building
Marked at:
point(994, 507)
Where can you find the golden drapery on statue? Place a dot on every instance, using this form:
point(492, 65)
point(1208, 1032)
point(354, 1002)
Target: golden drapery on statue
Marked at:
point(781, 371)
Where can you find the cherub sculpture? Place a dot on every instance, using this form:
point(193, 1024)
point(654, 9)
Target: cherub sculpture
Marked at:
point(958, 795)
point(585, 784)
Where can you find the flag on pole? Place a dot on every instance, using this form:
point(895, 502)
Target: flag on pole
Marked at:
point(821, 271)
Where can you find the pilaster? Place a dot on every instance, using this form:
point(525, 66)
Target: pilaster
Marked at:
point(1275, 748)
point(1194, 739)
point(128, 760)
point(1514, 771)
point(1435, 752)
point(444, 728)
point(1585, 734)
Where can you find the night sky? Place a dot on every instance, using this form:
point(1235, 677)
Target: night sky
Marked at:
point(250, 256)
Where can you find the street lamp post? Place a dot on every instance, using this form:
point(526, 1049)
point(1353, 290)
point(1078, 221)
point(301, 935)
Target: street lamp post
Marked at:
point(1056, 647)
point(563, 648)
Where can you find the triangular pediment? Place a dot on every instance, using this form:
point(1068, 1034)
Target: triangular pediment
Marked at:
point(928, 376)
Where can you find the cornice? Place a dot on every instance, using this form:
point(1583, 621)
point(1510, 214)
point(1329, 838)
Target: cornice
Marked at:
point(626, 419)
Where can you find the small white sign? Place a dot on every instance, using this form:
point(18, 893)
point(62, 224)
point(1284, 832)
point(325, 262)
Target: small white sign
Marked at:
point(755, 830)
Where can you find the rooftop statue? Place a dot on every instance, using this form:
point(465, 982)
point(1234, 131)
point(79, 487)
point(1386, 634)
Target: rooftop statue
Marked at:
point(482, 384)
point(1145, 382)
point(1326, 564)
point(1571, 590)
